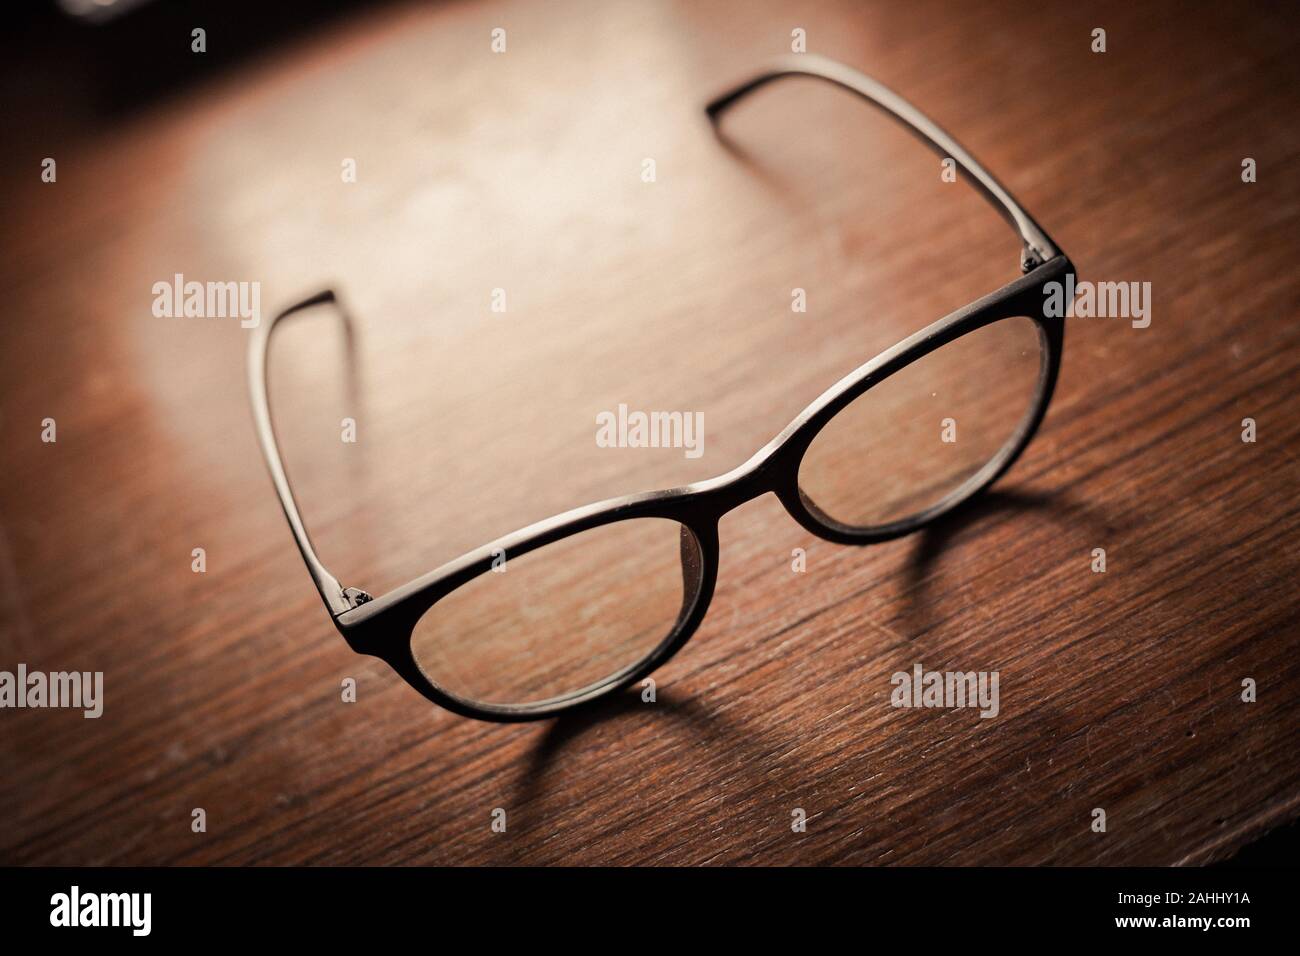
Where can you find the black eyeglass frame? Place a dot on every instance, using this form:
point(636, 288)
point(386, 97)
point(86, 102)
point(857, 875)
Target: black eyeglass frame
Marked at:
point(383, 626)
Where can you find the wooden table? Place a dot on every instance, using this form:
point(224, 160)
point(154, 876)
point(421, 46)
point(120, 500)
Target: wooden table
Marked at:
point(522, 171)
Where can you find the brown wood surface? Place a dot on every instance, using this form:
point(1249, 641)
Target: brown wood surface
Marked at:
point(522, 171)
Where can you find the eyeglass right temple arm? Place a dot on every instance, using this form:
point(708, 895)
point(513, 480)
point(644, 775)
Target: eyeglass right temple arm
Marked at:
point(337, 598)
point(1038, 248)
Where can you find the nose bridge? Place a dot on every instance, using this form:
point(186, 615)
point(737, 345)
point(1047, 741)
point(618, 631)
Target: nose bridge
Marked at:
point(745, 484)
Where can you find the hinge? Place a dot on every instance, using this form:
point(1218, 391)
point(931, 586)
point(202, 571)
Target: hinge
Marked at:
point(356, 597)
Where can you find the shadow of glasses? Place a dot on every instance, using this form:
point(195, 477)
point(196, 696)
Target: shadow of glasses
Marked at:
point(753, 747)
point(933, 540)
point(742, 743)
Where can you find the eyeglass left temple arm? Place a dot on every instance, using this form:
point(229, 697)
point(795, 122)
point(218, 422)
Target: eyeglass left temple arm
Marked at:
point(337, 598)
point(1038, 248)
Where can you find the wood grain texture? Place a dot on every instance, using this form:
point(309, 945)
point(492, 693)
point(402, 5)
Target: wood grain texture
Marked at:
point(522, 171)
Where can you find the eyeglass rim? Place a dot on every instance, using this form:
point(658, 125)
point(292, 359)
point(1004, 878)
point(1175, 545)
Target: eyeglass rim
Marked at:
point(384, 627)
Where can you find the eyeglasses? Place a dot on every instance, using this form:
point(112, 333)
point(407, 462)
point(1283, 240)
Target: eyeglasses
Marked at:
point(585, 603)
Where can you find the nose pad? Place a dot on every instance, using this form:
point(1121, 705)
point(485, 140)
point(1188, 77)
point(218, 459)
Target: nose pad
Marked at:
point(798, 505)
point(692, 573)
point(811, 518)
point(692, 562)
